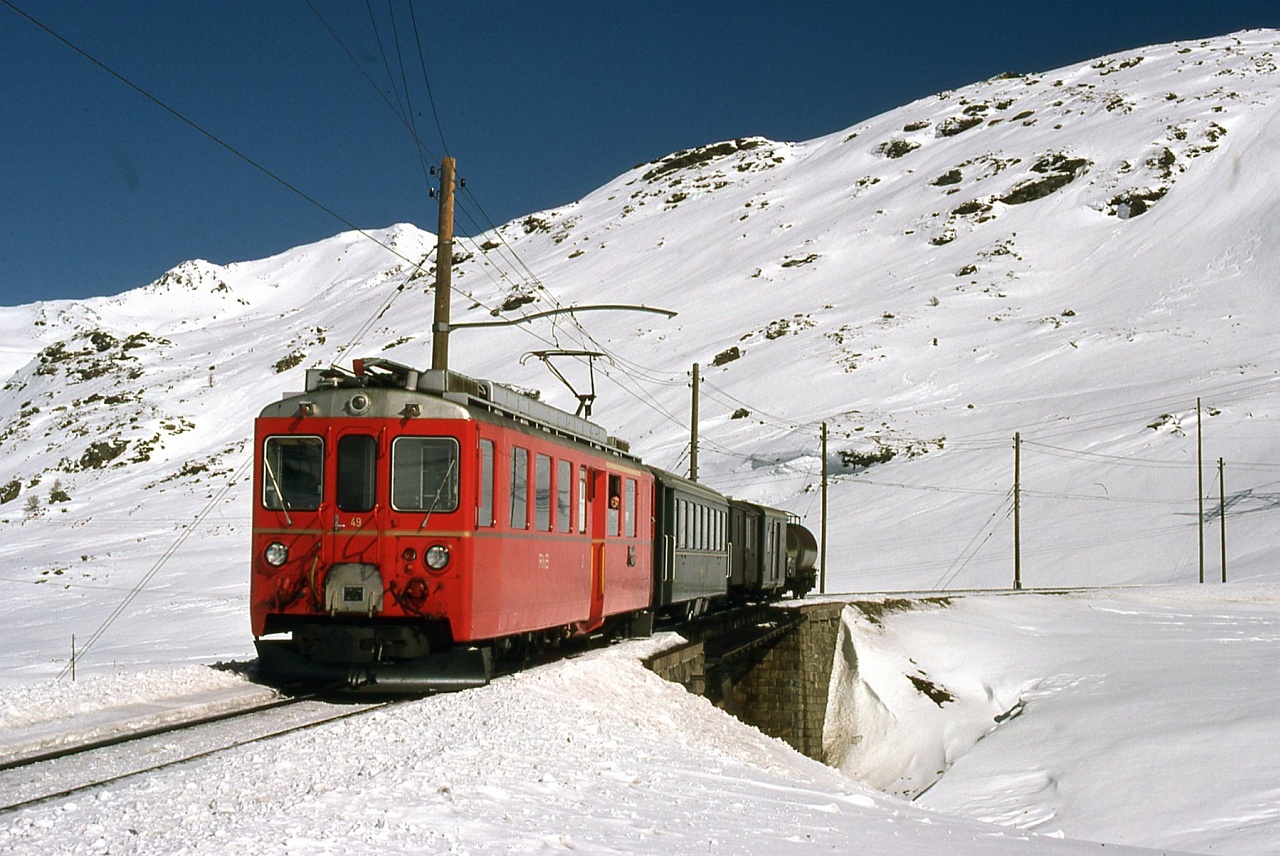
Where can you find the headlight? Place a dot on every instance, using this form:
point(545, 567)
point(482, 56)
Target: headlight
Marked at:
point(276, 554)
point(437, 557)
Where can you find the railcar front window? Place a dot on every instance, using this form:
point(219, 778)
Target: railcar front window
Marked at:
point(424, 474)
point(357, 472)
point(292, 473)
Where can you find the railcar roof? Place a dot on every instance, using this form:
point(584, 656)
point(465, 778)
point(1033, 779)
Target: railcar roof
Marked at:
point(471, 393)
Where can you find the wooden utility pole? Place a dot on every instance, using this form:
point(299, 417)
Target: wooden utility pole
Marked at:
point(693, 427)
point(1222, 521)
point(822, 560)
point(1017, 516)
point(444, 271)
point(1200, 484)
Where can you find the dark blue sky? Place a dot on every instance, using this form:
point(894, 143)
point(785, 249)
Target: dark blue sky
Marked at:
point(101, 190)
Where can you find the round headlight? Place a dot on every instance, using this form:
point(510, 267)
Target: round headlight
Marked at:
point(276, 554)
point(437, 557)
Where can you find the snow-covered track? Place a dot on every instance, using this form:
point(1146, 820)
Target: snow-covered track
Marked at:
point(64, 770)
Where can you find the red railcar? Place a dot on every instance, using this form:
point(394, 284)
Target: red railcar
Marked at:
point(408, 523)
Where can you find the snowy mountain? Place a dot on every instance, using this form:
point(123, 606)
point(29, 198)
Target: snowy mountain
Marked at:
point(1075, 256)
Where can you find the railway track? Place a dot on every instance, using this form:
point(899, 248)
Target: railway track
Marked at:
point(727, 644)
point(62, 771)
point(60, 765)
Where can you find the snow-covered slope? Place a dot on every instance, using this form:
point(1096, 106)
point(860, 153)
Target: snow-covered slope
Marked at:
point(1074, 256)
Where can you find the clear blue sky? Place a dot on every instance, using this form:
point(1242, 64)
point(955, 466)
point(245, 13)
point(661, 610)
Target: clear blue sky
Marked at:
point(101, 190)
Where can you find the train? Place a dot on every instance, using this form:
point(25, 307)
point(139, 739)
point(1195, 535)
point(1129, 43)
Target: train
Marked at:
point(411, 528)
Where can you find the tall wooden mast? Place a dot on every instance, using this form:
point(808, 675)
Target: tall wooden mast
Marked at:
point(444, 270)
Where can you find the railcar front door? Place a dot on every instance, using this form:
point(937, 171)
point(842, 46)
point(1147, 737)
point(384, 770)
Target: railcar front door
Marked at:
point(353, 583)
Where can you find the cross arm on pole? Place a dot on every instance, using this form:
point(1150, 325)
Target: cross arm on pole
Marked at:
point(564, 310)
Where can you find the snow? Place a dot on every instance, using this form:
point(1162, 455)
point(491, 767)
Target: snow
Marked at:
point(38, 719)
point(1138, 716)
point(593, 754)
point(914, 305)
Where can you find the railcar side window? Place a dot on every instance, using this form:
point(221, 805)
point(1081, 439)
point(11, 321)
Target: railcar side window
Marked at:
point(682, 524)
point(424, 474)
point(484, 514)
point(615, 504)
point(292, 473)
point(629, 510)
point(542, 493)
point(519, 488)
point(582, 498)
point(564, 494)
point(772, 546)
point(357, 472)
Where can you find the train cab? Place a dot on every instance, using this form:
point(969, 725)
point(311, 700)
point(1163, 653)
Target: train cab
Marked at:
point(407, 521)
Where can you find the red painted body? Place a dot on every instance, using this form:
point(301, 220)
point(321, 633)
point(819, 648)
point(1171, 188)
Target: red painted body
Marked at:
point(557, 561)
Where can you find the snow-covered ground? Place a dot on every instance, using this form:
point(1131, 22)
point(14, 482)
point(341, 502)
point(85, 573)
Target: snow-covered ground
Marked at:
point(1075, 256)
point(1140, 717)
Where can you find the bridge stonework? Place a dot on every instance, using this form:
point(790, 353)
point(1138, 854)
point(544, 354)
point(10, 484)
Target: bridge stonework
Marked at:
point(685, 665)
point(783, 690)
point(785, 693)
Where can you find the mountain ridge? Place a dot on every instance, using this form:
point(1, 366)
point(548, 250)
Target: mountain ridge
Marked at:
point(1075, 255)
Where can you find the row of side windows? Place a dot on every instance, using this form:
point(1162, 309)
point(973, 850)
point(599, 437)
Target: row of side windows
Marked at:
point(699, 527)
point(564, 494)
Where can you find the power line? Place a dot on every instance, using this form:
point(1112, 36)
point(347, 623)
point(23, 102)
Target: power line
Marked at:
point(528, 279)
point(398, 113)
point(159, 563)
point(422, 61)
point(1061, 452)
point(961, 561)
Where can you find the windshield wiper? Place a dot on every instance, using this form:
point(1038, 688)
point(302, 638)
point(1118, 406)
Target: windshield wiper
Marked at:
point(436, 500)
point(284, 503)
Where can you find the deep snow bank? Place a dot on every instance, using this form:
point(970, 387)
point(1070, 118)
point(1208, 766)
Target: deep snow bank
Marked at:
point(894, 725)
point(1141, 716)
